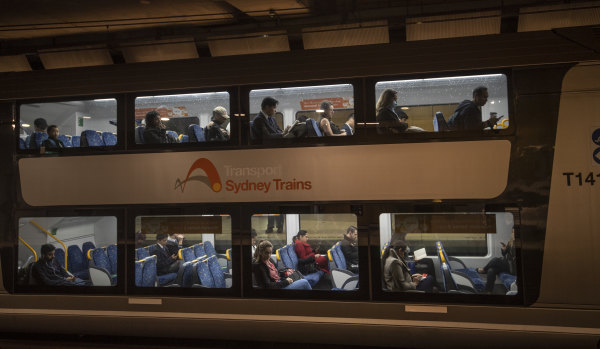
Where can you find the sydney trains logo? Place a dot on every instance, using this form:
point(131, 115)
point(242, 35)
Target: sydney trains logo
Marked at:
point(212, 179)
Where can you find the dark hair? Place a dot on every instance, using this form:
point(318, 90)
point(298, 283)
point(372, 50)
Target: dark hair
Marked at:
point(47, 248)
point(302, 118)
point(253, 233)
point(268, 102)
point(40, 123)
point(300, 233)
point(261, 248)
point(326, 105)
point(394, 245)
point(161, 236)
point(151, 116)
point(50, 128)
point(351, 229)
point(479, 90)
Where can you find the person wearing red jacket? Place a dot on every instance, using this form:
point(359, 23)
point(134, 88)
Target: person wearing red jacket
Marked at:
point(306, 256)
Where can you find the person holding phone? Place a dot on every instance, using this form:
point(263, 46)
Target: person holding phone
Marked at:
point(497, 265)
point(396, 273)
point(166, 262)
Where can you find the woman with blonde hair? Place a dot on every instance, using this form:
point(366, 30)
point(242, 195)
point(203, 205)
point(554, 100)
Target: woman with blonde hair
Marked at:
point(266, 274)
point(388, 120)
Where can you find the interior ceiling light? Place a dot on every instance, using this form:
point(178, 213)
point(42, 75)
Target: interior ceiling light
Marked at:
point(164, 119)
point(25, 125)
point(405, 108)
point(87, 117)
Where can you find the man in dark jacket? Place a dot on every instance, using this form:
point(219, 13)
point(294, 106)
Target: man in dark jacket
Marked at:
point(265, 125)
point(350, 249)
point(48, 272)
point(467, 116)
point(156, 131)
point(166, 262)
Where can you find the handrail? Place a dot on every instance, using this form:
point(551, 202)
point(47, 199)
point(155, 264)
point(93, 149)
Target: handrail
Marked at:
point(52, 236)
point(29, 247)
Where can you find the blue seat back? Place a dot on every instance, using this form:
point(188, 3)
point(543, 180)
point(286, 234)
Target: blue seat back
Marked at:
point(75, 258)
point(142, 253)
point(338, 256)
point(91, 138)
point(196, 133)
point(173, 134)
point(209, 249)
point(88, 245)
point(315, 126)
point(187, 279)
point(59, 256)
point(149, 271)
point(37, 138)
point(22, 144)
point(199, 250)
point(204, 274)
point(187, 254)
point(184, 138)
point(109, 139)
point(111, 251)
point(291, 250)
point(139, 276)
point(65, 140)
point(139, 134)
point(100, 259)
point(27, 141)
point(76, 141)
point(283, 254)
point(216, 272)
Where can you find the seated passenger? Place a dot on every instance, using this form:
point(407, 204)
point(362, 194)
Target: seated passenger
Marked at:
point(266, 274)
point(48, 272)
point(265, 125)
point(467, 116)
point(53, 142)
point(308, 261)
point(497, 265)
point(39, 125)
point(389, 121)
point(350, 249)
point(174, 243)
point(166, 262)
point(155, 132)
point(396, 273)
point(327, 126)
point(349, 125)
point(216, 130)
point(404, 118)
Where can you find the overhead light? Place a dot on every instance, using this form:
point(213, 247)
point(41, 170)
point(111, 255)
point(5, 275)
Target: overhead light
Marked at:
point(492, 102)
point(405, 108)
point(87, 117)
point(25, 125)
point(164, 119)
point(320, 111)
point(104, 100)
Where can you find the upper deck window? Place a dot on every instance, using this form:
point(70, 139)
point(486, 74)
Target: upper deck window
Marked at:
point(195, 117)
point(459, 103)
point(57, 125)
point(299, 112)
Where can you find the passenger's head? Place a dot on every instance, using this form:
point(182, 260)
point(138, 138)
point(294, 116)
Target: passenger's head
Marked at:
point(400, 247)
point(327, 108)
point(263, 252)
point(253, 235)
point(352, 233)
point(220, 116)
point(161, 238)
point(480, 96)
point(48, 251)
point(386, 99)
point(350, 120)
point(301, 118)
point(40, 125)
point(269, 106)
point(53, 131)
point(152, 119)
point(302, 236)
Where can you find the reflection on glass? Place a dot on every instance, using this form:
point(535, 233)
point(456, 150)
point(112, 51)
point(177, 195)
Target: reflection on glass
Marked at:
point(299, 112)
point(67, 251)
point(311, 247)
point(58, 125)
point(183, 251)
point(196, 117)
point(454, 253)
point(442, 104)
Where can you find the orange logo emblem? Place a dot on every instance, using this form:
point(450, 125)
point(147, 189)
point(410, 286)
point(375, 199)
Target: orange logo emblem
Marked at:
point(212, 179)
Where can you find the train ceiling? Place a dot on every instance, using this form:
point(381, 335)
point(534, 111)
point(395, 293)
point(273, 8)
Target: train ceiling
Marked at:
point(44, 34)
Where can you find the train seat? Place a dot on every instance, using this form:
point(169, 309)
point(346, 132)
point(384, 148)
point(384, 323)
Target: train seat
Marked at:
point(453, 281)
point(287, 255)
point(199, 250)
point(139, 277)
point(111, 251)
point(341, 278)
point(202, 270)
point(210, 251)
point(186, 254)
point(142, 252)
point(221, 279)
point(313, 129)
point(196, 133)
point(184, 138)
point(174, 135)
point(139, 134)
point(148, 272)
point(186, 277)
point(90, 138)
point(22, 144)
point(65, 140)
point(507, 279)
point(101, 264)
point(109, 139)
point(36, 140)
point(77, 262)
point(59, 255)
point(439, 122)
point(76, 141)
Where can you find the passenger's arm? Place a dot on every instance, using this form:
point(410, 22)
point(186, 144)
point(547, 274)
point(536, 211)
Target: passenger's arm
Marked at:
point(264, 131)
point(398, 275)
point(327, 128)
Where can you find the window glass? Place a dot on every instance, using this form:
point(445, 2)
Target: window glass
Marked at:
point(67, 251)
point(57, 125)
point(183, 251)
point(298, 112)
point(428, 105)
point(195, 117)
point(315, 245)
point(454, 252)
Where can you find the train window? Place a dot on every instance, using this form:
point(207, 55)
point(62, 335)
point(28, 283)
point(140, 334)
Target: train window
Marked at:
point(67, 124)
point(195, 117)
point(299, 112)
point(454, 252)
point(310, 247)
point(459, 103)
point(68, 251)
point(183, 251)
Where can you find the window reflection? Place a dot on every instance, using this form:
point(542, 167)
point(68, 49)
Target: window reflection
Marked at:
point(197, 117)
point(67, 251)
point(58, 125)
point(183, 251)
point(442, 104)
point(453, 253)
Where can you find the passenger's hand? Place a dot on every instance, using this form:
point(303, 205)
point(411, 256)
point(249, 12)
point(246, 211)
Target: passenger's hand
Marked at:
point(174, 256)
point(417, 277)
point(492, 121)
point(317, 255)
point(70, 278)
point(289, 280)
